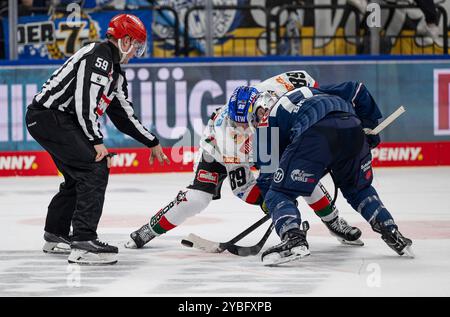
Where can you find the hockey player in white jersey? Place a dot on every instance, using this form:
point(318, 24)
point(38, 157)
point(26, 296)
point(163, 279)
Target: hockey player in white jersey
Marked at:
point(225, 151)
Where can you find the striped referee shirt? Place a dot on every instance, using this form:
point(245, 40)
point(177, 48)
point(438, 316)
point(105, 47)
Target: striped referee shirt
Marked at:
point(89, 84)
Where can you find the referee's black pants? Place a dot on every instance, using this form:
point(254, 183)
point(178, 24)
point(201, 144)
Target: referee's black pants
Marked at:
point(80, 198)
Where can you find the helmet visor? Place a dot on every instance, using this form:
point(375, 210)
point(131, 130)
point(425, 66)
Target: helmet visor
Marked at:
point(252, 119)
point(140, 48)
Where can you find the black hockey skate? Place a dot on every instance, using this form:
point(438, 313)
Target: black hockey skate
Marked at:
point(94, 252)
point(344, 233)
point(293, 246)
point(397, 242)
point(140, 237)
point(56, 244)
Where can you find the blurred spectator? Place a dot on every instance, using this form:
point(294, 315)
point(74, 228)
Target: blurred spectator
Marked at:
point(28, 7)
point(361, 5)
point(116, 4)
point(429, 10)
point(3, 12)
point(3, 8)
point(431, 17)
point(428, 7)
point(135, 4)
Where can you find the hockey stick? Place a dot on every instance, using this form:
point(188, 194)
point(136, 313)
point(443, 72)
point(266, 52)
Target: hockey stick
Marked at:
point(194, 241)
point(397, 113)
point(251, 250)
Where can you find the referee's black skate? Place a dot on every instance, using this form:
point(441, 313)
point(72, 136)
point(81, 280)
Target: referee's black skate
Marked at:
point(343, 232)
point(56, 244)
point(292, 247)
point(397, 242)
point(140, 237)
point(93, 252)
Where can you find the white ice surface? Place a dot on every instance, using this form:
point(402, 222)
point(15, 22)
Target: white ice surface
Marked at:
point(418, 199)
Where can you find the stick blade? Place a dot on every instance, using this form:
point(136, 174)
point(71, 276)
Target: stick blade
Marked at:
point(251, 250)
point(243, 251)
point(195, 241)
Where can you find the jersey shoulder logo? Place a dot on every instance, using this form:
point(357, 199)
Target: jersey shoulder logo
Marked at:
point(99, 79)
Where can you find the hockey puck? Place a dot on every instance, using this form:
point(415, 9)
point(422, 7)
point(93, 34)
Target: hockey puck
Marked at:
point(187, 243)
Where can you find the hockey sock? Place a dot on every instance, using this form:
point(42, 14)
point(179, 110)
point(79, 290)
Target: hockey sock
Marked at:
point(320, 202)
point(369, 205)
point(284, 212)
point(160, 225)
point(186, 204)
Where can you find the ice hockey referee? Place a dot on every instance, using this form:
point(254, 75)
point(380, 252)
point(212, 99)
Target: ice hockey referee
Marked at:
point(64, 119)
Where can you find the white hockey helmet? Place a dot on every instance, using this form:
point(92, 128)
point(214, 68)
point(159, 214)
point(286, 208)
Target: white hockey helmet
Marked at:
point(265, 100)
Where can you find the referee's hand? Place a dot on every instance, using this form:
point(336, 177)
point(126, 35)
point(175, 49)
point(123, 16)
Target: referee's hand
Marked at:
point(159, 154)
point(102, 152)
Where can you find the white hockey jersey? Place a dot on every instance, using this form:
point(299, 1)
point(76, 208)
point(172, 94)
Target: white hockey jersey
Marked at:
point(233, 149)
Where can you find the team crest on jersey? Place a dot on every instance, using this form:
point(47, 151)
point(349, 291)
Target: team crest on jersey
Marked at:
point(302, 176)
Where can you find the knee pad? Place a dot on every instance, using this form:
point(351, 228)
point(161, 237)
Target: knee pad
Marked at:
point(198, 200)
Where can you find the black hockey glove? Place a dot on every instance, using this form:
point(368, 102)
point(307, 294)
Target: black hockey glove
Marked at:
point(264, 207)
point(373, 140)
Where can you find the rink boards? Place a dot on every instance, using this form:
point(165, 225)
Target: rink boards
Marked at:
point(174, 98)
point(135, 160)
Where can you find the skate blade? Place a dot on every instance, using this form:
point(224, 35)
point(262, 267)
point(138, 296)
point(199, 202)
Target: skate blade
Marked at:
point(408, 252)
point(357, 243)
point(56, 248)
point(82, 257)
point(275, 259)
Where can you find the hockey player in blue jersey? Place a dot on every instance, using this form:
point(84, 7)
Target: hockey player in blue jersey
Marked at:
point(320, 131)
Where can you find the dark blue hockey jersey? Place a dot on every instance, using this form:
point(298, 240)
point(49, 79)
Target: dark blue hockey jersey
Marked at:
point(298, 110)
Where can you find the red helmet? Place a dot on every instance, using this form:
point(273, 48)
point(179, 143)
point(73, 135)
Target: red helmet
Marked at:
point(128, 24)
